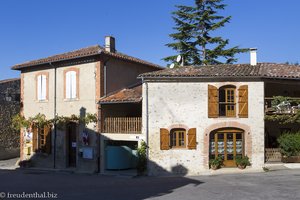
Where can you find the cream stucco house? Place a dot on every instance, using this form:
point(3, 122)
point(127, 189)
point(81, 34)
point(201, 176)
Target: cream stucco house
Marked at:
point(72, 83)
point(192, 114)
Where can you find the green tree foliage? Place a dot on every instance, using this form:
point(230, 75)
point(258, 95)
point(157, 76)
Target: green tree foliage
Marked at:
point(193, 37)
point(142, 158)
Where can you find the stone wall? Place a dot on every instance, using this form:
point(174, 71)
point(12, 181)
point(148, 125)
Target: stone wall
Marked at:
point(184, 104)
point(9, 106)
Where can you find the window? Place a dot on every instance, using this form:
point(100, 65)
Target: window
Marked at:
point(227, 101)
point(71, 84)
point(177, 138)
point(42, 86)
point(227, 105)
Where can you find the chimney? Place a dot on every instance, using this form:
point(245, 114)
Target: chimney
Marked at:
point(110, 44)
point(253, 56)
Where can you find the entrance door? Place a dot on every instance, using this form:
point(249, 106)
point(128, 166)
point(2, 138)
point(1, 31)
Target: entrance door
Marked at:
point(72, 144)
point(228, 144)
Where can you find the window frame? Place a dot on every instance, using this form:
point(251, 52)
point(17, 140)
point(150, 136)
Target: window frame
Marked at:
point(227, 103)
point(177, 132)
point(39, 92)
point(76, 70)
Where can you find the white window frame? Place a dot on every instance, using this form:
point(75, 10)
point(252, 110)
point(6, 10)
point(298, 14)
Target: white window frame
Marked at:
point(42, 87)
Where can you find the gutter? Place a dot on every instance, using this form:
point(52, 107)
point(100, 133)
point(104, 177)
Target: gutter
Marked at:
point(55, 114)
point(147, 121)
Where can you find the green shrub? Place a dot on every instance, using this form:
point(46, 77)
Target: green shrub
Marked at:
point(289, 144)
point(142, 158)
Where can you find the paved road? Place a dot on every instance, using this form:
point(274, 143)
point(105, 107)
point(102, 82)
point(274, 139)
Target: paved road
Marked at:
point(283, 184)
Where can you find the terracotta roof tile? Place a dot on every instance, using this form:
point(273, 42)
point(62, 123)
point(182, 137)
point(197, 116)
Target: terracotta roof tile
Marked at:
point(84, 52)
point(9, 80)
point(261, 70)
point(128, 95)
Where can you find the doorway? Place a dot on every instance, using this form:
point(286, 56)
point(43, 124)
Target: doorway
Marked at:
point(228, 144)
point(72, 130)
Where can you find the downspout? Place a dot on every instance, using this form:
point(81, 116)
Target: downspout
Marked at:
point(55, 114)
point(100, 113)
point(147, 120)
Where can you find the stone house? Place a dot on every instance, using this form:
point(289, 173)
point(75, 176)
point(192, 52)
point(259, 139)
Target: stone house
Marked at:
point(9, 106)
point(73, 83)
point(193, 114)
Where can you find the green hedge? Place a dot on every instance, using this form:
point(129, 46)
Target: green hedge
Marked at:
point(289, 144)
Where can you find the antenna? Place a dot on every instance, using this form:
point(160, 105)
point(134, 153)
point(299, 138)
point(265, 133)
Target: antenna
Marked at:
point(172, 65)
point(179, 58)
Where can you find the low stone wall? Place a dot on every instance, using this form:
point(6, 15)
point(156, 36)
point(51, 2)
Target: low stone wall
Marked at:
point(9, 106)
point(9, 138)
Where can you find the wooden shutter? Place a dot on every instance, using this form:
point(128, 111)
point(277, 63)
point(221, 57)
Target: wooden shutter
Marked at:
point(164, 139)
point(47, 137)
point(34, 138)
point(213, 101)
point(192, 143)
point(243, 101)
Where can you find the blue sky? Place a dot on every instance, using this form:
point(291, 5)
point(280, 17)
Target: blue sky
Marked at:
point(35, 29)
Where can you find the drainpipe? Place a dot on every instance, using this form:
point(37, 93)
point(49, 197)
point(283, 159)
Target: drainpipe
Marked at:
point(147, 120)
point(55, 114)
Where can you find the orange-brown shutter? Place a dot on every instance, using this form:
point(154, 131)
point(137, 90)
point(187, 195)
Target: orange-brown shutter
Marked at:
point(213, 101)
point(243, 101)
point(164, 139)
point(34, 138)
point(47, 137)
point(192, 143)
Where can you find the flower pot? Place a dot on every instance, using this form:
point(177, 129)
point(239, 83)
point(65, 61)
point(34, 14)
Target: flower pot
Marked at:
point(291, 159)
point(241, 166)
point(214, 167)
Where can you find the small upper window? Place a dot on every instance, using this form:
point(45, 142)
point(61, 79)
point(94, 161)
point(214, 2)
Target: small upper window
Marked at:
point(42, 87)
point(177, 138)
point(227, 102)
point(71, 85)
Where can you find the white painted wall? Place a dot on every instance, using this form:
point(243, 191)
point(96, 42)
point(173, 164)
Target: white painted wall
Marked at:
point(186, 103)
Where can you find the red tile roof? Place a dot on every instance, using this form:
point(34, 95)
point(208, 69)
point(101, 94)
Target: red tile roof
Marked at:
point(127, 95)
point(80, 53)
point(261, 70)
point(9, 80)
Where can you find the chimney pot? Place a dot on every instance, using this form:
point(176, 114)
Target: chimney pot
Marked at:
point(253, 56)
point(110, 44)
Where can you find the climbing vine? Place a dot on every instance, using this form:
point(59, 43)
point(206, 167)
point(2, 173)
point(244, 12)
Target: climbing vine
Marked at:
point(19, 121)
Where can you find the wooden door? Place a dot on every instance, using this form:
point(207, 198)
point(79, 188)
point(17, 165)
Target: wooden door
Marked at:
point(227, 144)
point(72, 144)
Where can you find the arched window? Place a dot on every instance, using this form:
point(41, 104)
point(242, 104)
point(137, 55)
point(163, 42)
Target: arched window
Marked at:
point(71, 84)
point(178, 138)
point(227, 101)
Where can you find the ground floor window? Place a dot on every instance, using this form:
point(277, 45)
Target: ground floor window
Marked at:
point(228, 144)
point(177, 138)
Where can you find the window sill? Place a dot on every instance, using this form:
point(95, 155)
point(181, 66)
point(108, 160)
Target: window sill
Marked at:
point(42, 101)
point(70, 100)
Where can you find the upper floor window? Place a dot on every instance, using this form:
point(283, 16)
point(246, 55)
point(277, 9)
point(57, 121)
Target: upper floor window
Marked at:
point(224, 101)
point(71, 84)
point(227, 105)
point(42, 86)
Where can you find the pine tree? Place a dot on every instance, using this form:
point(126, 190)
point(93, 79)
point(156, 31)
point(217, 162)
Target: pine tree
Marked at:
point(193, 39)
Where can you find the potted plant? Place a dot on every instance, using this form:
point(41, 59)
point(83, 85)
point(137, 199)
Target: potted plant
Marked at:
point(216, 163)
point(242, 162)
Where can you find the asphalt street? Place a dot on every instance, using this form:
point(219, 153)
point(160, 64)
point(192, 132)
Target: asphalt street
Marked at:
point(281, 184)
